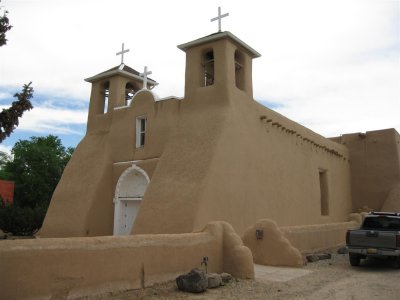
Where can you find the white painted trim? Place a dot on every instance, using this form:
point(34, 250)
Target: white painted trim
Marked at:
point(170, 98)
point(139, 131)
point(121, 107)
point(218, 36)
point(155, 96)
point(133, 161)
point(117, 200)
point(130, 198)
point(123, 175)
point(119, 72)
point(128, 161)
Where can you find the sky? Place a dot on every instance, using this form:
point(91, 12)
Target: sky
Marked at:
point(330, 65)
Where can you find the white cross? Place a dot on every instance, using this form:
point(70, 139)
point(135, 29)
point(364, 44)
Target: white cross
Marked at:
point(219, 18)
point(144, 75)
point(122, 53)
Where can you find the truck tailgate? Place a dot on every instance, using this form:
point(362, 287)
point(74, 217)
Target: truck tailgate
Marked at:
point(372, 238)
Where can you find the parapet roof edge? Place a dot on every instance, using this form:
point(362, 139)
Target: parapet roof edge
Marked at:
point(218, 36)
point(118, 71)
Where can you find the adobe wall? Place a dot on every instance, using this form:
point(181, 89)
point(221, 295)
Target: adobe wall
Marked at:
point(375, 166)
point(218, 155)
point(82, 203)
point(319, 237)
point(173, 195)
point(285, 246)
point(76, 267)
point(78, 193)
point(266, 166)
point(232, 159)
point(215, 155)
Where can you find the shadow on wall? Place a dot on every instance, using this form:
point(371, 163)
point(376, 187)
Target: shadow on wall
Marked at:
point(392, 202)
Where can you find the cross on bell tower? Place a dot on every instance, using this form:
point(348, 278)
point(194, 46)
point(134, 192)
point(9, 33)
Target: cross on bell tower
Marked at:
point(122, 53)
point(219, 18)
point(144, 75)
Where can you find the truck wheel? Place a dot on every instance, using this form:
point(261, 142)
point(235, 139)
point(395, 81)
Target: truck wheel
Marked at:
point(397, 262)
point(354, 259)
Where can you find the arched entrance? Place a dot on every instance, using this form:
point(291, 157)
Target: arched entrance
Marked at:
point(129, 193)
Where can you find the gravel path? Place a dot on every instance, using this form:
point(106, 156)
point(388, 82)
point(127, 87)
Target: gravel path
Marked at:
point(328, 279)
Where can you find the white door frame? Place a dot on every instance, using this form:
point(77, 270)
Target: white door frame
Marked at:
point(117, 200)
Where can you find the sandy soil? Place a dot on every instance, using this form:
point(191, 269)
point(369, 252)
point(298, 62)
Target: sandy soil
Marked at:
point(329, 279)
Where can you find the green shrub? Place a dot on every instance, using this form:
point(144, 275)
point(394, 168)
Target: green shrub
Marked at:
point(21, 220)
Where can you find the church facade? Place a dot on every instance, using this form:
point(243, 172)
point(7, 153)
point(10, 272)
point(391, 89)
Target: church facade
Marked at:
point(157, 166)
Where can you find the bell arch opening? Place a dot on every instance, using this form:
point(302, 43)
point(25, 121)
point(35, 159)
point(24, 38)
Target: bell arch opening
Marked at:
point(130, 90)
point(208, 67)
point(239, 70)
point(105, 92)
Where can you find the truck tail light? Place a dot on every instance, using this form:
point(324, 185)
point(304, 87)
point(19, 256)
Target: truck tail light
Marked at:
point(348, 238)
point(398, 240)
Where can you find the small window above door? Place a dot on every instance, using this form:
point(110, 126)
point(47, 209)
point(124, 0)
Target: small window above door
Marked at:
point(141, 124)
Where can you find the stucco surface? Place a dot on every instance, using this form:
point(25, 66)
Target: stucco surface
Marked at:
point(71, 267)
point(318, 237)
point(392, 202)
point(79, 207)
point(375, 166)
point(274, 249)
point(216, 154)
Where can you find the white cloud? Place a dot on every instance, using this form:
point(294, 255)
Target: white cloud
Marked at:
point(6, 149)
point(52, 120)
point(332, 65)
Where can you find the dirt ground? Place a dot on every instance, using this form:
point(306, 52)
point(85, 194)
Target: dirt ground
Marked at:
point(328, 279)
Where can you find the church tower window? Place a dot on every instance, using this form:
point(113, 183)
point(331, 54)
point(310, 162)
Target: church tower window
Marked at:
point(239, 70)
point(208, 64)
point(129, 92)
point(141, 124)
point(105, 94)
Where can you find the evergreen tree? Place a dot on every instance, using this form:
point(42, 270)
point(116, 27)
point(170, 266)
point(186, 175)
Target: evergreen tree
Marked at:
point(9, 117)
point(4, 27)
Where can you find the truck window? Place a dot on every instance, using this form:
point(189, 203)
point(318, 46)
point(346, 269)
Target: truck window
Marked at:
point(381, 223)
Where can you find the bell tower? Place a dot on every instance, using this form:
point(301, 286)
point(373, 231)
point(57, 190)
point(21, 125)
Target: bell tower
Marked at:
point(114, 88)
point(220, 60)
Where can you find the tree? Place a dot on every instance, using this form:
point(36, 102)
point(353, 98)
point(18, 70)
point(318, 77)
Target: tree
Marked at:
point(4, 27)
point(4, 158)
point(9, 118)
point(36, 168)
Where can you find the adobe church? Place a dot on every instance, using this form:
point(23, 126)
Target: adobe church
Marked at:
point(148, 165)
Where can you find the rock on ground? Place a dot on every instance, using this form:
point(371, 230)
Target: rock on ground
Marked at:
point(194, 282)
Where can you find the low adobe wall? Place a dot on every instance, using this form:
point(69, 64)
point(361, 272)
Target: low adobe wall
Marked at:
point(75, 267)
point(319, 237)
point(269, 246)
point(285, 246)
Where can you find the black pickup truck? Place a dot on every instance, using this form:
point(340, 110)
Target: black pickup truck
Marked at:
point(379, 236)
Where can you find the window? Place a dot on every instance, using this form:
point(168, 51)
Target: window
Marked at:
point(324, 192)
point(140, 131)
point(239, 70)
point(129, 92)
point(208, 65)
point(381, 223)
point(105, 94)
